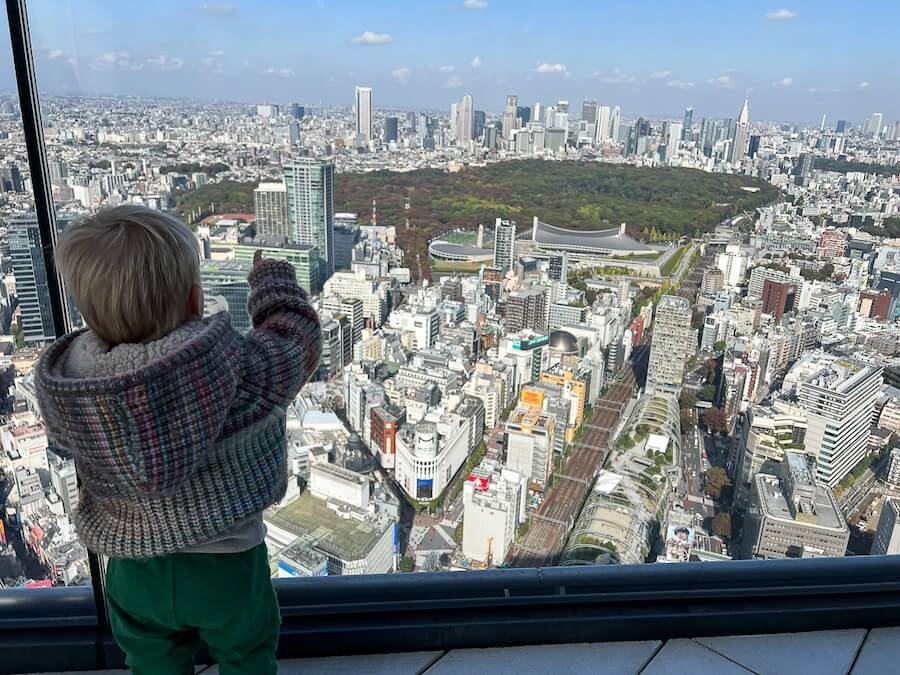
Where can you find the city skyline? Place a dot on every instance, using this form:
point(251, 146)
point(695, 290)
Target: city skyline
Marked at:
point(652, 63)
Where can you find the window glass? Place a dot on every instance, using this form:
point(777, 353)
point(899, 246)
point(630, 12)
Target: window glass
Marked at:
point(578, 306)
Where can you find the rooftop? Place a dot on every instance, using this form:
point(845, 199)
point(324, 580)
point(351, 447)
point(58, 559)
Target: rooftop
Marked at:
point(775, 504)
point(611, 239)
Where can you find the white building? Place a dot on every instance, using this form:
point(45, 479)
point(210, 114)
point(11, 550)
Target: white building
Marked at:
point(674, 342)
point(430, 453)
point(494, 500)
point(363, 110)
point(355, 285)
point(733, 264)
point(330, 481)
point(887, 534)
point(529, 443)
point(423, 324)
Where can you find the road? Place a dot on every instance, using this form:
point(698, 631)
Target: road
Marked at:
point(550, 524)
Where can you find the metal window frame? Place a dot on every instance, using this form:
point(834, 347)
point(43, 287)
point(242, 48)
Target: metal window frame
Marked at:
point(67, 628)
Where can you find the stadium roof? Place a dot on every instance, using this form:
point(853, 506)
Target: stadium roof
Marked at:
point(613, 239)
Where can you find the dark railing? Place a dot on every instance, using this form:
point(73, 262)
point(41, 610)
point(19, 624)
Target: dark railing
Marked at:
point(54, 629)
point(65, 628)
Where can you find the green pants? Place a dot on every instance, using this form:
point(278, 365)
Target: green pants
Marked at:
point(160, 609)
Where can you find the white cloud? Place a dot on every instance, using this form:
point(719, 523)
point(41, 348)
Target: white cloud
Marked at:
point(164, 62)
point(446, 69)
point(476, 62)
point(781, 15)
point(680, 84)
point(823, 90)
point(60, 56)
point(661, 74)
point(864, 85)
point(474, 4)
point(370, 38)
point(117, 61)
point(722, 81)
point(401, 74)
point(217, 52)
point(784, 82)
point(280, 72)
point(453, 82)
point(217, 9)
point(552, 69)
point(615, 77)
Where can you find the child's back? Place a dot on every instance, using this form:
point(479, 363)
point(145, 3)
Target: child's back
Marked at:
point(177, 427)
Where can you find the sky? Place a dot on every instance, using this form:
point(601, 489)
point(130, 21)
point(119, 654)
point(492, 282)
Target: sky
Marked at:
point(798, 60)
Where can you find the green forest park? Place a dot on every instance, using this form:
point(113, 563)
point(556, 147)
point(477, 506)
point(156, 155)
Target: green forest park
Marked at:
point(656, 203)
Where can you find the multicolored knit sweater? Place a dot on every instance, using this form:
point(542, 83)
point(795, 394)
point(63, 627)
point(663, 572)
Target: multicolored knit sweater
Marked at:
point(179, 450)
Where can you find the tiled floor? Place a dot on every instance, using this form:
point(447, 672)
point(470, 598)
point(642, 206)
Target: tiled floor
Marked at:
point(838, 652)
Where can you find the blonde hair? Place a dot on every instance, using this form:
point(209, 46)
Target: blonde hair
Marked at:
point(130, 270)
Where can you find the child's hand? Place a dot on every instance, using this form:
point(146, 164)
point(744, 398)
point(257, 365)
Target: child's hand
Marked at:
point(257, 258)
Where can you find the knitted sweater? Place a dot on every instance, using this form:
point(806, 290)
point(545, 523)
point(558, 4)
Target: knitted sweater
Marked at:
point(181, 449)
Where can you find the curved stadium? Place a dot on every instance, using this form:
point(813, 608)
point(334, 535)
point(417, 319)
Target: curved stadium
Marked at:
point(445, 250)
point(608, 242)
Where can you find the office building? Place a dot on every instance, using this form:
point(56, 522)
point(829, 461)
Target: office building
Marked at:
point(526, 308)
point(674, 342)
point(529, 443)
point(673, 137)
point(840, 127)
point(753, 147)
point(423, 325)
point(385, 423)
point(875, 122)
point(504, 245)
point(741, 134)
point(309, 183)
point(466, 126)
point(777, 298)
point(614, 122)
point(64, 481)
point(27, 262)
point(510, 116)
point(523, 115)
point(479, 117)
point(601, 132)
point(713, 281)
point(298, 112)
point(558, 266)
point(270, 208)
point(687, 124)
point(363, 110)
point(303, 257)
point(391, 130)
point(839, 396)
point(794, 516)
point(887, 533)
point(494, 499)
point(759, 276)
point(225, 288)
point(589, 112)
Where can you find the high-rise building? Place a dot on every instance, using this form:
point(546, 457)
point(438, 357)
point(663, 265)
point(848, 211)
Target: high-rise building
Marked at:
point(523, 114)
point(794, 516)
point(509, 116)
point(840, 127)
point(778, 298)
point(558, 266)
point(298, 111)
point(391, 129)
point(601, 132)
point(504, 244)
point(674, 136)
point(530, 433)
point(839, 396)
point(589, 112)
point(526, 308)
point(674, 342)
point(875, 122)
point(363, 110)
point(494, 499)
point(270, 207)
point(27, 261)
point(225, 288)
point(687, 124)
point(478, 121)
point(614, 121)
point(465, 130)
point(64, 480)
point(310, 203)
point(741, 134)
point(887, 534)
point(753, 148)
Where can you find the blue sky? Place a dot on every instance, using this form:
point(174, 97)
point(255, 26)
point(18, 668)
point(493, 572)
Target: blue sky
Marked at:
point(799, 59)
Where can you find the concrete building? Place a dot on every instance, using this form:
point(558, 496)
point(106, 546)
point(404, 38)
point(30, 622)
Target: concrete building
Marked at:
point(526, 308)
point(303, 257)
point(225, 288)
point(529, 443)
point(713, 281)
point(887, 534)
point(309, 184)
point(270, 208)
point(429, 454)
point(424, 325)
point(839, 396)
point(777, 298)
point(494, 499)
point(793, 516)
point(504, 245)
point(64, 481)
point(759, 275)
point(774, 430)
point(674, 342)
point(363, 112)
point(893, 471)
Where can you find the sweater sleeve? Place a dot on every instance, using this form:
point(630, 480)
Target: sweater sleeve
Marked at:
point(283, 348)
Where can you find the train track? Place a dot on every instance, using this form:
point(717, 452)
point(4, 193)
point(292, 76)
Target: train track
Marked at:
point(550, 523)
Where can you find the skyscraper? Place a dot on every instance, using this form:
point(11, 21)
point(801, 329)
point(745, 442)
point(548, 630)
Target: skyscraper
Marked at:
point(270, 207)
point(840, 127)
point(391, 129)
point(674, 342)
point(363, 109)
point(298, 111)
point(753, 148)
point(875, 123)
point(688, 122)
point(602, 130)
point(589, 111)
point(614, 121)
point(509, 116)
point(478, 120)
point(741, 133)
point(674, 135)
point(310, 202)
point(504, 245)
point(465, 131)
point(838, 396)
point(523, 114)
